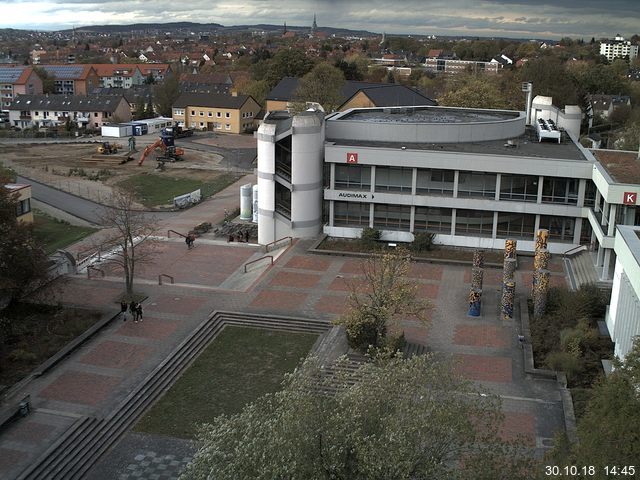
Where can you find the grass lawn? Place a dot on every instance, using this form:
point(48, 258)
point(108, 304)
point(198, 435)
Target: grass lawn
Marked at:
point(154, 190)
point(34, 333)
point(55, 234)
point(239, 366)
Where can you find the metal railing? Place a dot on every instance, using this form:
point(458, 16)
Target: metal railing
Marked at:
point(80, 263)
point(573, 250)
point(270, 257)
point(178, 233)
point(275, 242)
point(165, 275)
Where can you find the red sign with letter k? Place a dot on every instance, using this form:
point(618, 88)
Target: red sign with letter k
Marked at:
point(630, 198)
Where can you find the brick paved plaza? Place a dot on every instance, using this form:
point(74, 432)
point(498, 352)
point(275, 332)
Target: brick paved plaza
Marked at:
point(100, 374)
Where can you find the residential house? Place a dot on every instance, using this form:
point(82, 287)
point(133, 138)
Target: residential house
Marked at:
point(216, 112)
point(73, 79)
point(88, 111)
point(604, 105)
point(23, 208)
point(439, 61)
point(354, 94)
point(17, 80)
point(118, 75)
point(618, 48)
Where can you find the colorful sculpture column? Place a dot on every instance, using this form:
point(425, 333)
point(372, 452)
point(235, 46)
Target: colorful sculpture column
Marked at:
point(477, 275)
point(508, 279)
point(540, 287)
point(542, 292)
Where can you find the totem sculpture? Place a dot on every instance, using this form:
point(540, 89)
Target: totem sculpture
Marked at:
point(542, 292)
point(540, 287)
point(508, 279)
point(477, 275)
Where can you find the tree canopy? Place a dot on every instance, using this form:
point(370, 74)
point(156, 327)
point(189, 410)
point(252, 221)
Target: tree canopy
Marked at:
point(398, 419)
point(323, 85)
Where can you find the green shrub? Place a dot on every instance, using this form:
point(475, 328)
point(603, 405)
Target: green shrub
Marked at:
point(20, 355)
point(565, 362)
point(370, 236)
point(422, 241)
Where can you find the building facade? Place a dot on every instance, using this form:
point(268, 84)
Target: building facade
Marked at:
point(72, 79)
point(23, 207)
point(216, 112)
point(618, 48)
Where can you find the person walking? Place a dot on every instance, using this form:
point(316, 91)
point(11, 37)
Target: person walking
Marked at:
point(139, 312)
point(187, 240)
point(123, 310)
point(132, 310)
point(192, 238)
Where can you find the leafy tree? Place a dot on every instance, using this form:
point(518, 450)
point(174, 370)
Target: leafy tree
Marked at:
point(398, 419)
point(128, 237)
point(48, 81)
point(324, 85)
point(550, 78)
point(608, 432)
point(258, 89)
point(150, 79)
point(285, 63)
point(386, 297)
point(23, 263)
point(165, 94)
point(349, 69)
point(475, 92)
point(149, 112)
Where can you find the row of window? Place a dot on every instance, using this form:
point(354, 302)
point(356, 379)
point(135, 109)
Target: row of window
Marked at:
point(218, 114)
point(23, 207)
point(476, 223)
point(470, 184)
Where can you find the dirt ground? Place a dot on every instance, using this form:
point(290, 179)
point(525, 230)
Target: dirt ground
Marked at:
point(54, 165)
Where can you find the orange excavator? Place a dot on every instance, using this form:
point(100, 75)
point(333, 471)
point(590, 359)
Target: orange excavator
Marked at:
point(171, 153)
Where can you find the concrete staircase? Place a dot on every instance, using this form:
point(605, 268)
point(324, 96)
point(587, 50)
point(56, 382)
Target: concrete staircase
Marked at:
point(581, 270)
point(78, 450)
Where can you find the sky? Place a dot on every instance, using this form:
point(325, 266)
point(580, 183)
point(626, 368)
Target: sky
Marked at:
point(546, 19)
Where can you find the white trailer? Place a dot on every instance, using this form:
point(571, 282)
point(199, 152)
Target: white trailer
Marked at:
point(116, 130)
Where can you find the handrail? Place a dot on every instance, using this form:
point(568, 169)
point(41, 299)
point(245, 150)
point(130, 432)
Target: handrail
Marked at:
point(257, 260)
point(164, 275)
point(573, 250)
point(80, 263)
point(169, 234)
point(266, 247)
point(91, 267)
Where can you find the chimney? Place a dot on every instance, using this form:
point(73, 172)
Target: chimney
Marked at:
point(234, 93)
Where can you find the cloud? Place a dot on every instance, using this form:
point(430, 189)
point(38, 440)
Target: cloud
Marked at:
point(508, 18)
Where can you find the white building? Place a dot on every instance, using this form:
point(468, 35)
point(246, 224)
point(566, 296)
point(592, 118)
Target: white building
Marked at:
point(623, 314)
point(618, 48)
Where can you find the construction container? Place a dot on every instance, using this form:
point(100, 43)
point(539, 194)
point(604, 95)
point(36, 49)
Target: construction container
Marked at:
point(116, 130)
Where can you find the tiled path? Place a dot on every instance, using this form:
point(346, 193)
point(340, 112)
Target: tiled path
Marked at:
point(101, 373)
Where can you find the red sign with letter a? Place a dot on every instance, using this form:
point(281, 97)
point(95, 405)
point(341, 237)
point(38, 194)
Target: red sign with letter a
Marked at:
point(352, 157)
point(630, 198)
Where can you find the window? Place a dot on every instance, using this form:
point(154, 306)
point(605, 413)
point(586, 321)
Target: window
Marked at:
point(201, 124)
point(438, 182)
point(560, 190)
point(227, 126)
point(393, 179)
point(590, 194)
point(357, 177)
point(283, 200)
point(227, 115)
point(350, 214)
point(392, 217)
point(476, 223)
point(95, 114)
point(202, 114)
point(209, 114)
point(218, 114)
point(519, 187)
point(516, 225)
point(477, 184)
point(23, 206)
point(429, 219)
point(193, 113)
point(560, 228)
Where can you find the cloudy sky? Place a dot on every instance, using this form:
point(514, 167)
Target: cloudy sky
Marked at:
point(551, 19)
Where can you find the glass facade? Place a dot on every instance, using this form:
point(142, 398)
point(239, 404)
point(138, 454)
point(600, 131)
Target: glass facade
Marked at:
point(283, 158)
point(476, 223)
point(560, 190)
point(477, 184)
point(435, 182)
point(394, 179)
point(516, 225)
point(523, 188)
point(437, 220)
point(350, 214)
point(283, 200)
point(561, 229)
point(590, 194)
point(352, 177)
point(392, 217)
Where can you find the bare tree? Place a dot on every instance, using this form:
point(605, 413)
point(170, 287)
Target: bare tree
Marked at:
point(128, 238)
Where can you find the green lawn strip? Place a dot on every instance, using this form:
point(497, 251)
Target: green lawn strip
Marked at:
point(238, 367)
point(56, 234)
point(154, 190)
point(32, 333)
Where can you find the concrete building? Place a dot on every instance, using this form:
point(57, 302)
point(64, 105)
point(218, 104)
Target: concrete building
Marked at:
point(618, 48)
point(472, 177)
point(23, 208)
point(623, 313)
point(568, 118)
point(455, 65)
point(72, 79)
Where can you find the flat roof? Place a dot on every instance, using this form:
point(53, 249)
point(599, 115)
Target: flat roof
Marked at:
point(422, 114)
point(526, 145)
point(622, 166)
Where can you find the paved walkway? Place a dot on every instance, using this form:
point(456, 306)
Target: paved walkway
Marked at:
point(98, 376)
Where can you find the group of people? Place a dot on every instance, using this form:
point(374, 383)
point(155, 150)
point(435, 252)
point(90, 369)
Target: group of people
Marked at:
point(189, 239)
point(134, 308)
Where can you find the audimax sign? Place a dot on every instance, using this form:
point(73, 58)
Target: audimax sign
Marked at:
point(360, 196)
